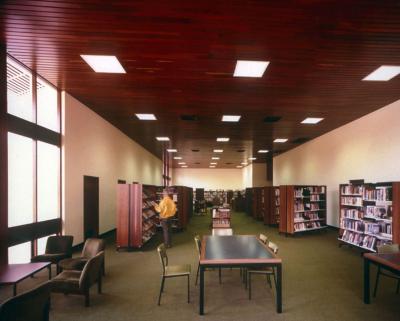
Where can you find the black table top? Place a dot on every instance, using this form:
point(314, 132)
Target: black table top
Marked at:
point(235, 249)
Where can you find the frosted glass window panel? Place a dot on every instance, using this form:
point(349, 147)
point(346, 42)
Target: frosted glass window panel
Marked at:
point(41, 245)
point(21, 189)
point(47, 107)
point(20, 253)
point(19, 91)
point(48, 181)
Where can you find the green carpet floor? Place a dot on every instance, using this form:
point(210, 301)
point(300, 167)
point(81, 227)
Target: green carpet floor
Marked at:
point(320, 282)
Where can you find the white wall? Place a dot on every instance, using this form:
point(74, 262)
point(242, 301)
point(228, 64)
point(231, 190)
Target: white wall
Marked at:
point(92, 146)
point(367, 148)
point(208, 178)
point(259, 174)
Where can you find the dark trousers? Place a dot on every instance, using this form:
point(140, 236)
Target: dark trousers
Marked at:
point(166, 226)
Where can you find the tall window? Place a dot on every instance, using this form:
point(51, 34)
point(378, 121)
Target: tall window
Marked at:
point(33, 154)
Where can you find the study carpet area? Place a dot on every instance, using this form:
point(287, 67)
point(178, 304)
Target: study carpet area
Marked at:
point(209, 160)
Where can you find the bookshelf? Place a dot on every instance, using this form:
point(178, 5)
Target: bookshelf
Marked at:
point(369, 214)
point(221, 218)
point(257, 203)
point(136, 217)
point(248, 195)
point(302, 208)
point(271, 205)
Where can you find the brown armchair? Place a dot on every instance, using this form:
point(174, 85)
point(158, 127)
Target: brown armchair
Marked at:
point(91, 248)
point(79, 282)
point(33, 305)
point(57, 249)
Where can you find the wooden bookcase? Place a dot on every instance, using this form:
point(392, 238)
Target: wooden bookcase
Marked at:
point(271, 205)
point(302, 208)
point(136, 217)
point(257, 203)
point(369, 214)
point(249, 201)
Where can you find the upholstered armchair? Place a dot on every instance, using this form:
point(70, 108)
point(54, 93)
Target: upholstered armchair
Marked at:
point(91, 248)
point(80, 282)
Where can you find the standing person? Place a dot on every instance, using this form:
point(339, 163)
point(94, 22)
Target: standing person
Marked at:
point(167, 210)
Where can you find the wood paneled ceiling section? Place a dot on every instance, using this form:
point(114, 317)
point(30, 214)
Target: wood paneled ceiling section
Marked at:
point(180, 57)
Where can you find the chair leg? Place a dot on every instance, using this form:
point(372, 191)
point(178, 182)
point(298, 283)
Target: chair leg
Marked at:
point(377, 281)
point(99, 284)
point(269, 280)
point(188, 286)
point(219, 274)
point(87, 298)
point(398, 286)
point(104, 267)
point(249, 280)
point(197, 274)
point(161, 290)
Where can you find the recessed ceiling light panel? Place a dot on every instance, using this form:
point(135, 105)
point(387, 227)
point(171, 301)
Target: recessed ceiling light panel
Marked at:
point(171, 150)
point(231, 118)
point(311, 120)
point(177, 157)
point(252, 158)
point(215, 158)
point(218, 150)
point(280, 140)
point(184, 166)
point(249, 68)
point(239, 166)
point(213, 163)
point(146, 116)
point(212, 166)
point(244, 163)
point(181, 163)
point(383, 73)
point(105, 64)
point(263, 151)
point(162, 139)
point(223, 139)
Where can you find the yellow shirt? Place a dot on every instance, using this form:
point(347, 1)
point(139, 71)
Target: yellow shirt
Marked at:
point(166, 208)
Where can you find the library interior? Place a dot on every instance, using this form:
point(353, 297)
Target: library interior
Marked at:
point(199, 160)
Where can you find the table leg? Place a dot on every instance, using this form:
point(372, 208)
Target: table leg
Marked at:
point(279, 288)
point(15, 289)
point(50, 272)
point(366, 281)
point(201, 291)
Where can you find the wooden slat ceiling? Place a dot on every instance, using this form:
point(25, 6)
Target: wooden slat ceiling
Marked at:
point(180, 57)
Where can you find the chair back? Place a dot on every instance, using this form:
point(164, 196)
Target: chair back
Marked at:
point(59, 244)
point(263, 238)
point(162, 253)
point(388, 248)
point(92, 271)
point(92, 247)
point(197, 241)
point(273, 247)
point(33, 305)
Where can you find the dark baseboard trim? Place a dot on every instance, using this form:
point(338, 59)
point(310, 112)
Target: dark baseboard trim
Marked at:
point(105, 235)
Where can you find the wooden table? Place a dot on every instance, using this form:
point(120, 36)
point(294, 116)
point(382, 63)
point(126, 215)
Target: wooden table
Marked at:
point(390, 262)
point(237, 251)
point(12, 274)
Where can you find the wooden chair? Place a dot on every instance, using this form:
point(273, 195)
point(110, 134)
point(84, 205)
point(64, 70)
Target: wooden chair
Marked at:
point(265, 270)
point(33, 305)
point(79, 282)
point(387, 248)
point(172, 271)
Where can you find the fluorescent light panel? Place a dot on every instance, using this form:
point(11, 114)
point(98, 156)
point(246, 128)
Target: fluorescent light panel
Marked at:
point(212, 166)
point(215, 158)
point(280, 140)
point(181, 163)
point(177, 157)
point(231, 118)
point(184, 166)
point(218, 150)
point(162, 139)
point(383, 73)
point(311, 120)
point(213, 163)
point(252, 158)
point(223, 139)
point(171, 150)
point(249, 68)
point(263, 151)
point(239, 166)
point(146, 116)
point(244, 163)
point(105, 64)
